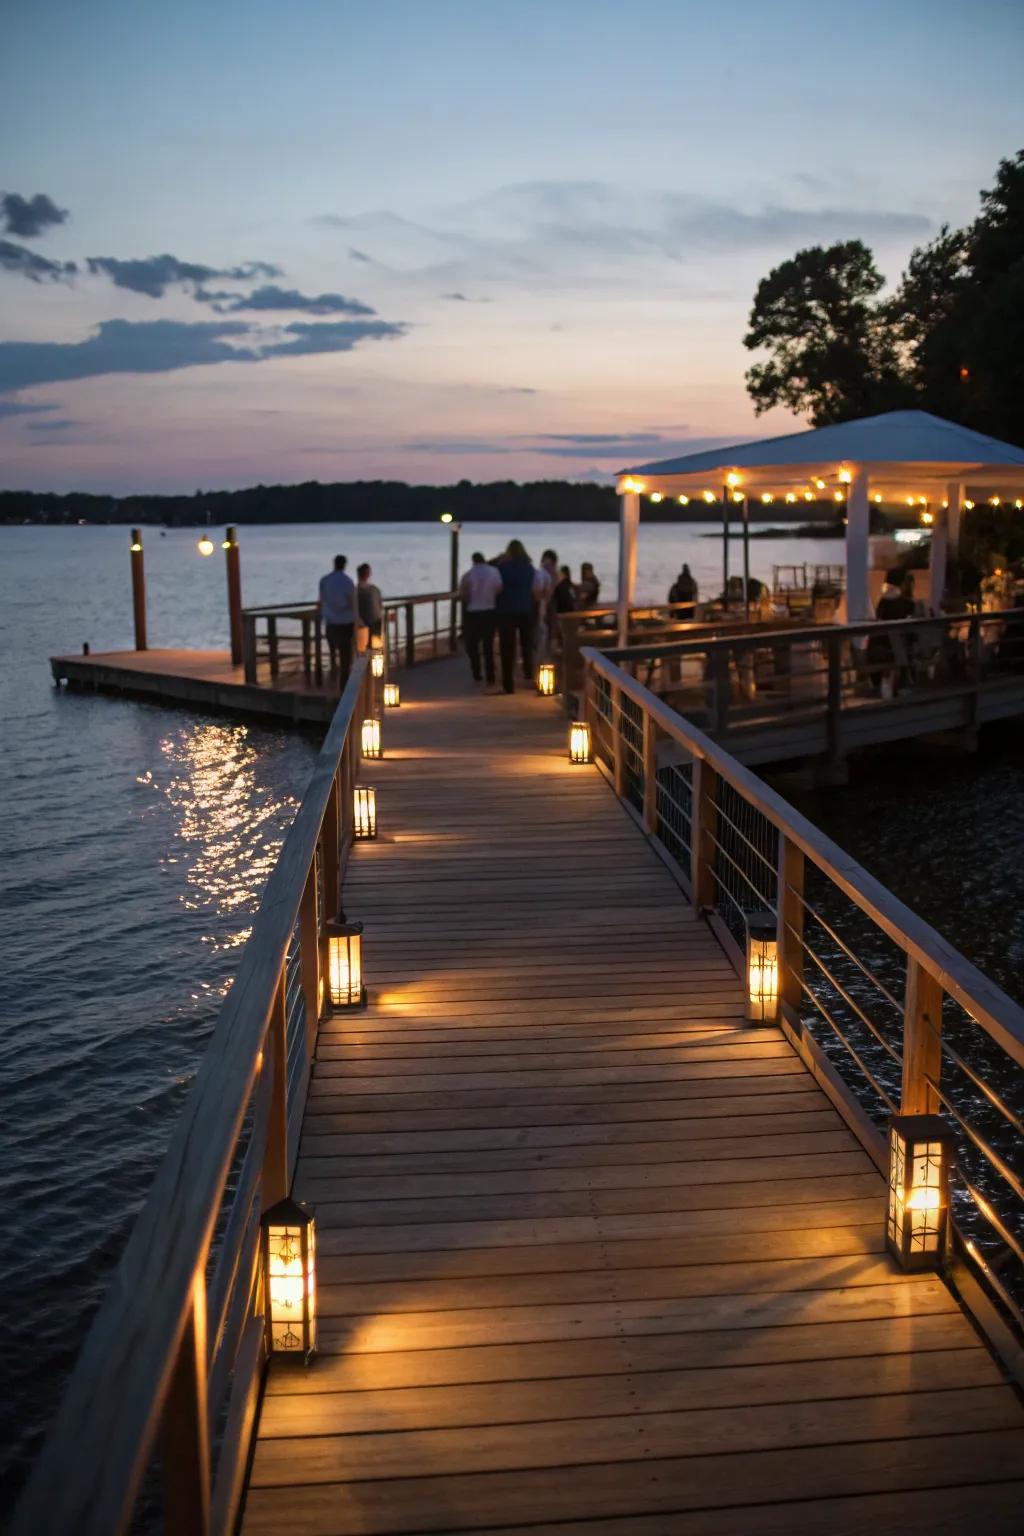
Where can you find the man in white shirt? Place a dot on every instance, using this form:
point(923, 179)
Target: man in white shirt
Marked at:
point(338, 616)
point(479, 590)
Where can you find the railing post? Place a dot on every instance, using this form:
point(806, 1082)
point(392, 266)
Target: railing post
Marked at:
point(249, 647)
point(650, 775)
point(274, 1178)
point(720, 679)
point(309, 956)
point(410, 636)
point(703, 821)
point(318, 657)
point(922, 1040)
point(437, 633)
point(184, 1433)
point(618, 753)
point(331, 840)
point(790, 930)
point(272, 647)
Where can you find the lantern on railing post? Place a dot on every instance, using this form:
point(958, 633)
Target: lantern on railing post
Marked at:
point(344, 964)
point(364, 812)
point(579, 742)
point(762, 1001)
point(289, 1278)
point(370, 738)
point(377, 664)
point(546, 678)
point(917, 1217)
point(392, 696)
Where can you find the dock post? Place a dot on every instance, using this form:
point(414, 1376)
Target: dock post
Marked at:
point(138, 589)
point(922, 1041)
point(234, 574)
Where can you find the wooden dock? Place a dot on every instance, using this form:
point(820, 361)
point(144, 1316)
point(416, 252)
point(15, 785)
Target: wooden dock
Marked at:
point(592, 1248)
point(596, 1254)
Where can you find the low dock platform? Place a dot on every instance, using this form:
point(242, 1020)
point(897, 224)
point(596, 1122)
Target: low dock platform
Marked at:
point(597, 1254)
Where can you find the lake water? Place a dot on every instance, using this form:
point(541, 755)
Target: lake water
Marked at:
point(136, 841)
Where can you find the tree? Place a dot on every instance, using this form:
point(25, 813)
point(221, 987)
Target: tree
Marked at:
point(832, 350)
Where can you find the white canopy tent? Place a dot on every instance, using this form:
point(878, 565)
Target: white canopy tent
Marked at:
point(907, 458)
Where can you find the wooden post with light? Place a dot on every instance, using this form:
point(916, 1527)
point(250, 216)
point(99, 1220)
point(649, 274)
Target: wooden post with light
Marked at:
point(234, 575)
point(138, 589)
point(454, 528)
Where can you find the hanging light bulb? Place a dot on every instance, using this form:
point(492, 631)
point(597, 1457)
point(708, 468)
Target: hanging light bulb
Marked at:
point(767, 498)
point(837, 495)
point(732, 479)
point(820, 484)
point(709, 497)
point(877, 497)
point(737, 495)
point(791, 496)
point(656, 496)
point(684, 501)
point(845, 477)
point(968, 506)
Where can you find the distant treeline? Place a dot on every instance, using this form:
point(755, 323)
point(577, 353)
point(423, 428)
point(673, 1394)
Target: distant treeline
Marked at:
point(362, 501)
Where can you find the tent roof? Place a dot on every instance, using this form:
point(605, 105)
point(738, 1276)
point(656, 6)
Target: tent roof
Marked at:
point(901, 445)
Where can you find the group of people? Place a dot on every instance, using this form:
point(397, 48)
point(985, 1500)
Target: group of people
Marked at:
point(517, 603)
point(344, 605)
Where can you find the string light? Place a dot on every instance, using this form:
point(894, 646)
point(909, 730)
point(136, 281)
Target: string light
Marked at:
point(968, 506)
point(684, 501)
point(629, 484)
point(994, 501)
point(845, 477)
point(767, 498)
point(791, 496)
point(737, 495)
point(927, 518)
point(808, 495)
point(709, 497)
point(820, 484)
point(732, 479)
point(837, 495)
point(656, 496)
point(1018, 504)
point(877, 497)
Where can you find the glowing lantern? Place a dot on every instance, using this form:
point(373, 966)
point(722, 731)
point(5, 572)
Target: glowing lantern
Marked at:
point(289, 1278)
point(371, 739)
point(845, 477)
point(364, 811)
point(546, 678)
point(344, 964)
point(579, 742)
point(920, 1152)
point(392, 697)
point(205, 545)
point(762, 968)
point(447, 517)
point(377, 664)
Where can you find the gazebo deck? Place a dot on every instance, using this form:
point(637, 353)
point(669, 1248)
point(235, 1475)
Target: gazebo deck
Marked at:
point(594, 1252)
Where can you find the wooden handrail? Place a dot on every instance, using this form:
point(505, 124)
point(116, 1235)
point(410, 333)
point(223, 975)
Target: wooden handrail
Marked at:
point(145, 1356)
point(997, 1014)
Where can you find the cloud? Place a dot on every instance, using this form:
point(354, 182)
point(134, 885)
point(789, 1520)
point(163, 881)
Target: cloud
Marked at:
point(575, 445)
point(27, 217)
point(335, 336)
point(457, 445)
point(459, 298)
point(163, 346)
point(270, 298)
point(22, 408)
point(38, 269)
point(153, 275)
point(359, 255)
point(58, 424)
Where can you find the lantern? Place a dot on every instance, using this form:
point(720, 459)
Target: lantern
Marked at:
point(371, 739)
point(289, 1278)
point(762, 968)
point(377, 664)
point(920, 1152)
point(364, 811)
point(546, 678)
point(205, 545)
point(344, 964)
point(579, 742)
point(392, 696)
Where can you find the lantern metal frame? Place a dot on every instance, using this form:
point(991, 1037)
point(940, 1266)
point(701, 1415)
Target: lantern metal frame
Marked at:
point(290, 1344)
point(921, 1149)
point(581, 749)
point(376, 663)
point(364, 812)
point(392, 695)
point(338, 930)
point(762, 952)
point(547, 685)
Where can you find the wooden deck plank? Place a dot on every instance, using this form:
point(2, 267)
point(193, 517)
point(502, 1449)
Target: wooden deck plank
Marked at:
point(595, 1253)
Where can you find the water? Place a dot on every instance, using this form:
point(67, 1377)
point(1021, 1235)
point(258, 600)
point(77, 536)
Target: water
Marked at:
point(136, 841)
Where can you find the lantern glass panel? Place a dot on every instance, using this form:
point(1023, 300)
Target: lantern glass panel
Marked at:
point(762, 969)
point(290, 1258)
point(371, 738)
point(579, 742)
point(364, 811)
point(546, 678)
point(377, 664)
point(392, 696)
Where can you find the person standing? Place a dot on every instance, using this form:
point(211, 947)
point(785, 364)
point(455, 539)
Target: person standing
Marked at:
point(478, 590)
point(684, 588)
point(588, 588)
point(371, 607)
point(338, 615)
point(515, 613)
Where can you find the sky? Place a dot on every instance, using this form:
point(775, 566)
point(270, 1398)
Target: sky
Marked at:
point(442, 239)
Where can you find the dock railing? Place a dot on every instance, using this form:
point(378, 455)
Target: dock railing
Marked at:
point(172, 1364)
point(287, 640)
point(886, 1014)
point(824, 676)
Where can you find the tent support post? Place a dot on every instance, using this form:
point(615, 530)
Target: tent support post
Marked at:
point(629, 518)
point(858, 528)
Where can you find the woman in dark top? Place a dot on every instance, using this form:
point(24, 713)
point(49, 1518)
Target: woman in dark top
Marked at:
point(563, 599)
point(514, 608)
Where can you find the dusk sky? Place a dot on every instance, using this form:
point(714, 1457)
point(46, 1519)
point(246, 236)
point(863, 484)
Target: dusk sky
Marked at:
point(494, 239)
